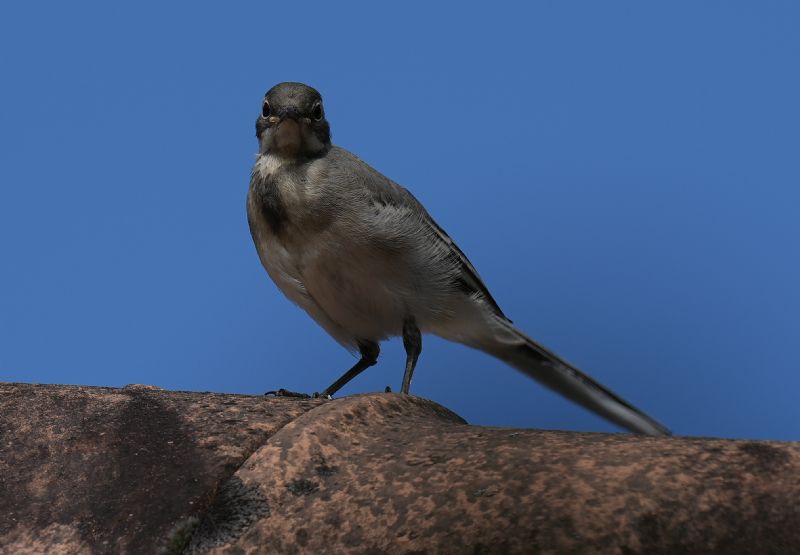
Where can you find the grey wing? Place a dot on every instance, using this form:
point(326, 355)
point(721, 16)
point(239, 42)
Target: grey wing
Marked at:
point(385, 191)
point(469, 280)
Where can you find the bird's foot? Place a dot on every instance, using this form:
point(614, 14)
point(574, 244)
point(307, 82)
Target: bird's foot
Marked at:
point(286, 393)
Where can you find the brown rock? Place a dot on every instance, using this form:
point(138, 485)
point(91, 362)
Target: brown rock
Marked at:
point(102, 470)
point(397, 474)
point(135, 470)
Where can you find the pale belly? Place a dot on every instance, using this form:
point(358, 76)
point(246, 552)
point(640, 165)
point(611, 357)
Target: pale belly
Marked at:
point(366, 293)
point(354, 295)
point(360, 290)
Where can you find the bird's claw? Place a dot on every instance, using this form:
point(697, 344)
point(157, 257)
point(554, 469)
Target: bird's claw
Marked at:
point(286, 393)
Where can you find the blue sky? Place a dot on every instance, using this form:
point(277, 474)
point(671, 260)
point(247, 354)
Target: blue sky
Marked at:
point(624, 175)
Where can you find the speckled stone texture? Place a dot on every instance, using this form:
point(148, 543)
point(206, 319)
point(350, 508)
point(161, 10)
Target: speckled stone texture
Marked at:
point(140, 470)
point(394, 474)
point(132, 470)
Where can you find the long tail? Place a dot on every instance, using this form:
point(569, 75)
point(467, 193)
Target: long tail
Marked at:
point(523, 353)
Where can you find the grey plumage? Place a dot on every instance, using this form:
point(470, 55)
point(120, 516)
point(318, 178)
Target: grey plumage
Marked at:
point(364, 258)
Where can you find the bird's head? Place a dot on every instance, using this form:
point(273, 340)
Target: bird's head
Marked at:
point(292, 123)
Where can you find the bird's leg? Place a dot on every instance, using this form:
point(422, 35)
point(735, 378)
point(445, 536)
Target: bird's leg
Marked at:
point(412, 341)
point(369, 356)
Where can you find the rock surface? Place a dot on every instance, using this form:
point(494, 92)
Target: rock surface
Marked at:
point(95, 470)
point(394, 474)
point(102, 470)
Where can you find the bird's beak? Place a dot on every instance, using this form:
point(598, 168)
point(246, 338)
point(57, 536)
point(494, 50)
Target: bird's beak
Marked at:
point(288, 113)
point(288, 134)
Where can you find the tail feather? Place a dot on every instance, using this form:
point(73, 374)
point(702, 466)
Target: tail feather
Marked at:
point(555, 373)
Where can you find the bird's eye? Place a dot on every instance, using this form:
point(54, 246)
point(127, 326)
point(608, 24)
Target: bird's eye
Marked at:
point(265, 111)
point(316, 111)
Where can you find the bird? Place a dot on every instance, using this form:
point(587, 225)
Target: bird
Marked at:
point(362, 256)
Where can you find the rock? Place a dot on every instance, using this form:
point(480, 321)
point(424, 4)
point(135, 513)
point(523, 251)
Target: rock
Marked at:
point(398, 474)
point(103, 470)
point(137, 470)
